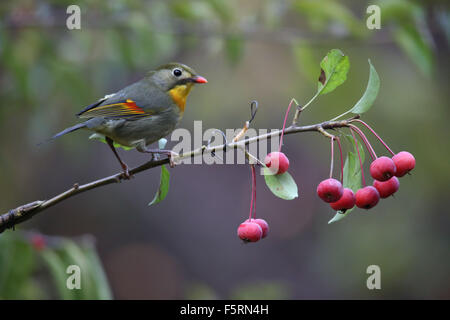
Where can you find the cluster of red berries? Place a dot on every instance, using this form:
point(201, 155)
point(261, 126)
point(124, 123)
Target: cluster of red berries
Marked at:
point(384, 170)
point(252, 229)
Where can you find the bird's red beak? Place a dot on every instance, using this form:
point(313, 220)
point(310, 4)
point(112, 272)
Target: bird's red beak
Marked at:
point(199, 79)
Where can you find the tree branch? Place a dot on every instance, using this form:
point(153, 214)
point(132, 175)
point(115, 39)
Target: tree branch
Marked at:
point(27, 211)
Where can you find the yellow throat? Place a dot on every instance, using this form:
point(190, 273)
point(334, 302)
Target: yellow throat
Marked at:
point(180, 93)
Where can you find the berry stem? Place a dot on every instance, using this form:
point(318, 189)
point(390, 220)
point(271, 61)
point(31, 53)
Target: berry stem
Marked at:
point(332, 157)
point(252, 202)
point(369, 148)
point(254, 191)
point(342, 158)
point(359, 156)
point(376, 135)
point(284, 124)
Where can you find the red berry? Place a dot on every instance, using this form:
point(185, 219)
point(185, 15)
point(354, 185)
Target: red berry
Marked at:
point(382, 169)
point(330, 190)
point(347, 201)
point(249, 231)
point(277, 161)
point(387, 188)
point(367, 197)
point(405, 162)
point(263, 224)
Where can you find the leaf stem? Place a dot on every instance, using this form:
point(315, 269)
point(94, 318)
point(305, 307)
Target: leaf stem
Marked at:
point(375, 134)
point(359, 157)
point(341, 115)
point(313, 98)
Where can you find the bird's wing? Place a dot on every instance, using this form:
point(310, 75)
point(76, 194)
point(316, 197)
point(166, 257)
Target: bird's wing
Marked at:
point(136, 101)
point(119, 109)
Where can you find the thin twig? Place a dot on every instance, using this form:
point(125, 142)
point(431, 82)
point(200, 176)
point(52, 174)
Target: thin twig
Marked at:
point(25, 212)
point(297, 115)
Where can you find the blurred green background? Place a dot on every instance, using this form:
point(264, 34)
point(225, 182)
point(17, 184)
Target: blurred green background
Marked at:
point(186, 246)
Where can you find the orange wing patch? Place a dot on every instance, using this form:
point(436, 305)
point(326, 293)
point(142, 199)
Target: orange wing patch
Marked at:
point(124, 109)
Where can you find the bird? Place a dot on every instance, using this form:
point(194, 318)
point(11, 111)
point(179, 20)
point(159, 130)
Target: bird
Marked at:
point(141, 113)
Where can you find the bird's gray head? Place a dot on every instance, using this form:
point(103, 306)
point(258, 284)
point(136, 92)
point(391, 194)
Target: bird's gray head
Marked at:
point(171, 75)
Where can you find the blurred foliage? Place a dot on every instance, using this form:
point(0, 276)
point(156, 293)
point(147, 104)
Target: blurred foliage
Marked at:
point(47, 73)
point(128, 37)
point(261, 291)
point(268, 290)
point(131, 36)
point(199, 291)
point(28, 260)
point(410, 31)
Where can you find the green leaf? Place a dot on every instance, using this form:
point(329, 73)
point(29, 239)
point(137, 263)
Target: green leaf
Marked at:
point(333, 73)
point(352, 170)
point(17, 262)
point(352, 175)
point(369, 96)
point(94, 285)
point(73, 254)
point(58, 271)
point(163, 186)
point(98, 274)
point(281, 185)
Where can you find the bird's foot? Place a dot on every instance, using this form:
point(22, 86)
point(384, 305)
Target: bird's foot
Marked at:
point(126, 172)
point(157, 152)
point(172, 158)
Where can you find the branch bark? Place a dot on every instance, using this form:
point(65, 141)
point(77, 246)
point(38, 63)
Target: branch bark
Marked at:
point(27, 211)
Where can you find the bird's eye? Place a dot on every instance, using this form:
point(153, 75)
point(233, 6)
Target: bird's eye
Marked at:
point(177, 72)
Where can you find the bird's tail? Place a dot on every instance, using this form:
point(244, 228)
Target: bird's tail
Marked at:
point(68, 130)
point(65, 131)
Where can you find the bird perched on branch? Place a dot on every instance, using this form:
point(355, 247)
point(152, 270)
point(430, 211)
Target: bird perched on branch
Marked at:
point(143, 112)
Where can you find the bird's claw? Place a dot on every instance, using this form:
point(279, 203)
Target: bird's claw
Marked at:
point(126, 172)
point(172, 158)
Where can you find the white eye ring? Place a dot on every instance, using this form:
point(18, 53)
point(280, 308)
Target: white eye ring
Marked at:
point(177, 72)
